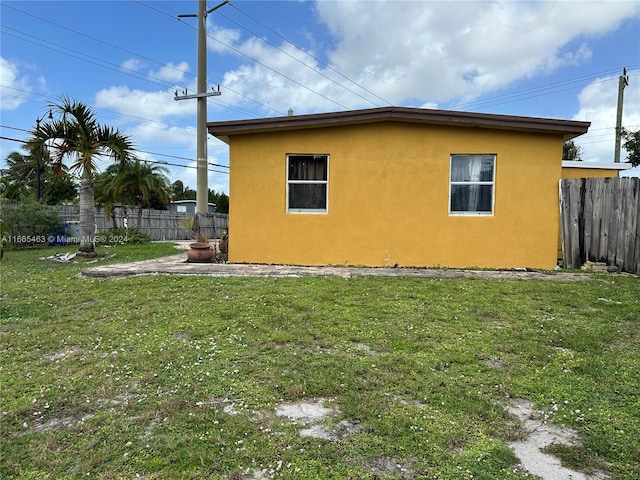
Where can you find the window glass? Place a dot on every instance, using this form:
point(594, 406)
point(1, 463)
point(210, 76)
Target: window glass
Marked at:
point(307, 183)
point(471, 198)
point(472, 168)
point(472, 184)
point(307, 167)
point(307, 196)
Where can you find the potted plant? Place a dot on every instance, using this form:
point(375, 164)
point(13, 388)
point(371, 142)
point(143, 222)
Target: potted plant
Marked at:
point(200, 249)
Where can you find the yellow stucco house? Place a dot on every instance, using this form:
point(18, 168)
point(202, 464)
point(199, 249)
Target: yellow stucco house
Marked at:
point(396, 186)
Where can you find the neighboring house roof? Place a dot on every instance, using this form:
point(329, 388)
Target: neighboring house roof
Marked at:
point(596, 165)
point(567, 128)
point(191, 202)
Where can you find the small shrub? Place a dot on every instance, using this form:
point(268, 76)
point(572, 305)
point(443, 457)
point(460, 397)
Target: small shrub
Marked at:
point(219, 256)
point(30, 223)
point(119, 236)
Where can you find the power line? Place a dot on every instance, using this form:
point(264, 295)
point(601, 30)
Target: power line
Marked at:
point(137, 150)
point(118, 68)
point(250, 58)
point(69, 29)
point(363, 69)
point(181, 158)
point(495, 100)
point(12, 139)
point(89, 59)
point(539, 91)
point(160, 162)
point(300, 61)
point(262, 64)
point(15, 128)
point(308, 54)
point(188, 130)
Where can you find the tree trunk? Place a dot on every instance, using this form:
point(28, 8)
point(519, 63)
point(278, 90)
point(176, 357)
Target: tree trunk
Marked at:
point(87, 217)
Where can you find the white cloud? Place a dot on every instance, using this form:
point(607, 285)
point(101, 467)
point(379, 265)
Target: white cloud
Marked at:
point(14, 88)
point(171, 72)
point(219, 38)
point(142, 104)
point(430, 51)
point(161, 134)
point(133, 64)
point(598, 105)
point(440, 49)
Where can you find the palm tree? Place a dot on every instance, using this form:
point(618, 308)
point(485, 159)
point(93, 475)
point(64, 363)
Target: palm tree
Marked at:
point(19, 174)
point(104, 188)
point(76, 134)
point(24, 179)
point(142, 184)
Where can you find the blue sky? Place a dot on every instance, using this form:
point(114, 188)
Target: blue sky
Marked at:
point(126, 58)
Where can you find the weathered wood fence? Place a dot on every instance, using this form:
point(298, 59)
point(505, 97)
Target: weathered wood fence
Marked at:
point(599, 222)
point(158, 224)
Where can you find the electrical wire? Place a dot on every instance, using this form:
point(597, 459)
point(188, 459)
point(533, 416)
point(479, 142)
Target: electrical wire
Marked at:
point(160, 162)
point(118, 68)
point(536, 92)
point(188, 130)
point(492, 101)
point(136, 150)
point(89, 58)
point(542, 90)
point(300, 61)
point(244, 55)
point(363, 69)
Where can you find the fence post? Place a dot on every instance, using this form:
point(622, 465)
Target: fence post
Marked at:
point(570, 230)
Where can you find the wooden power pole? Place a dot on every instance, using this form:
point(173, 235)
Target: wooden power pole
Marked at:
point(623, 81)
point(202, 188)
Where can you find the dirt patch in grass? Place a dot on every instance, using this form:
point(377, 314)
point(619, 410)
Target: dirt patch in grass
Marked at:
point(305, 411)
point(532, 449)
point(495, 363)
point(392, 466)
point(60, 355)
point(312, 413)
point(61, 423)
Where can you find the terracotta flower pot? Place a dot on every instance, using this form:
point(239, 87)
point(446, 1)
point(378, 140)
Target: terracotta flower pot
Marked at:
point(199, 253)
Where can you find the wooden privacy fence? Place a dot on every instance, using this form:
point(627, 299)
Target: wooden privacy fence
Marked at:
point(158, 224)
point(599, 222)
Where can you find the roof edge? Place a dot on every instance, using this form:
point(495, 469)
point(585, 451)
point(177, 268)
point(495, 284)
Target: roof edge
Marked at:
point(568, 128)
point(596, 165)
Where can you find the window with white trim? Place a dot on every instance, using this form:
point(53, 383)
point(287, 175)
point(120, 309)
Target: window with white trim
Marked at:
point(307, 183)
point(472, 184)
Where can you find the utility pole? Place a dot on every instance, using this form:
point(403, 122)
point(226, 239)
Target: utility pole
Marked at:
point(40, 156)
point(623, 81)
point(202, 188)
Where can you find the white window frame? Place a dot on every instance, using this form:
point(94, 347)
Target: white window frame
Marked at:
point(316, 182)
point(492, 183)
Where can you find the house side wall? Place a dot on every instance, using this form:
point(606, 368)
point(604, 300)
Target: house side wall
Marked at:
point(389, 199)
point(588, 172)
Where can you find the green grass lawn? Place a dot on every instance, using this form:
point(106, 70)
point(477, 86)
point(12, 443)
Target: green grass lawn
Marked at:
point(180, 377)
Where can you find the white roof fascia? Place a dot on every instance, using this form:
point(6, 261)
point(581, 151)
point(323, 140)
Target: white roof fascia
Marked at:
point(598, 165)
